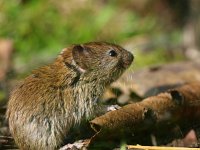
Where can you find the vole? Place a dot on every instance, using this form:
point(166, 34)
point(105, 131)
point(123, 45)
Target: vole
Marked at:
point(54, 98)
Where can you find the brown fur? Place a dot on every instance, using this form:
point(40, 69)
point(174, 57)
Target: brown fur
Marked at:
point(54, 98)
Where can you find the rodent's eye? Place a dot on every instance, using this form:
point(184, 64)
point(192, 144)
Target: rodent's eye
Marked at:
point(112, 53)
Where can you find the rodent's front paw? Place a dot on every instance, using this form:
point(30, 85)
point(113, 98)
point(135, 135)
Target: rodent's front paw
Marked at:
point(75, 146)
point(113, 107)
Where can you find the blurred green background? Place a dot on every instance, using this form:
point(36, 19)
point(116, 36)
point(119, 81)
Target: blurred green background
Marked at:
point(39, 29)
point(33, 32)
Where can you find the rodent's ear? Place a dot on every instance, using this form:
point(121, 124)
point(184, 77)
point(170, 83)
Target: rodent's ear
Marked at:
point(80, 53)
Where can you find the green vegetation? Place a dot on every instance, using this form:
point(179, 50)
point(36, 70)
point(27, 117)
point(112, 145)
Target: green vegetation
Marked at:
point(2, 96)
point(40, 29)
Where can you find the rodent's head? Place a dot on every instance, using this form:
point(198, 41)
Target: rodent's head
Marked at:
point(100, 60)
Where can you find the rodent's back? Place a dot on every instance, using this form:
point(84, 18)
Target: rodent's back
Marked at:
point(44, 107)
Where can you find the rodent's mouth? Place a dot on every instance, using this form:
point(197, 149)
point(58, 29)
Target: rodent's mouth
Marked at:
point(126, 65)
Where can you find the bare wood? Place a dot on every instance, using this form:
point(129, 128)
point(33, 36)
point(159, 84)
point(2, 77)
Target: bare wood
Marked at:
point(179, 106)
point(138, 147)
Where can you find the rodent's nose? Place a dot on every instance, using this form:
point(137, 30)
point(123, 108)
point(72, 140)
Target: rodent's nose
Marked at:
point(128, 59)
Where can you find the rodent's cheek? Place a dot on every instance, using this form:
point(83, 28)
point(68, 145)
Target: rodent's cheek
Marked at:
point(109, 64)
